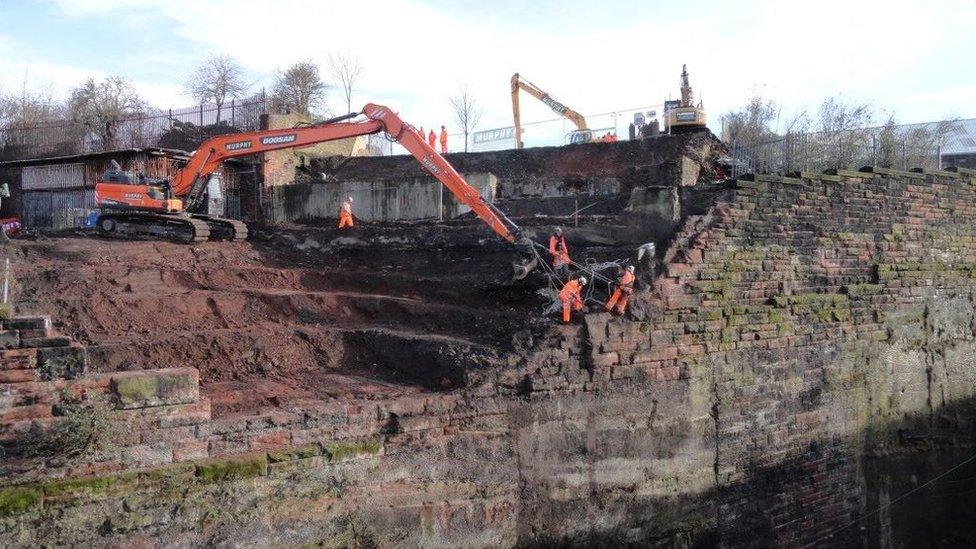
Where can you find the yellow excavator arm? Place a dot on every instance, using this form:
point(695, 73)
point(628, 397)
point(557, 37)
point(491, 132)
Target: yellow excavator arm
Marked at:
point(582, 133)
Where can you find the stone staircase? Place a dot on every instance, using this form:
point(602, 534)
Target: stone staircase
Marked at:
point(31, 353)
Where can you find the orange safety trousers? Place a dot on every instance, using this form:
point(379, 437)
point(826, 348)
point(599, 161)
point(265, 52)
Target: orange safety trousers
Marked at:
point(560, 259)
point(345, 220)
point(620, 299)
point(568, 305)
point(570, 296)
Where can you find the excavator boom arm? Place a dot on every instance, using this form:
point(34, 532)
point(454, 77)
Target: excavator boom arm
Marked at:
point(213, 151)
point(520, 83)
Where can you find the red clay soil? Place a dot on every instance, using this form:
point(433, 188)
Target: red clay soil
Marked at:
point(269, 323)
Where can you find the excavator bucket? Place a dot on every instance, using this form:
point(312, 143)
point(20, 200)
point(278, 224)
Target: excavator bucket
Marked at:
point(529, 262)
point(523, 268)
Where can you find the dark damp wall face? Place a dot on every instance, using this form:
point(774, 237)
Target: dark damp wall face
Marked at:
point(912, 513)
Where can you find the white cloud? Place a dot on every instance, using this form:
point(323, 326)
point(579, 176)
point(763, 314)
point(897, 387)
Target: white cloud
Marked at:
point(415, 54)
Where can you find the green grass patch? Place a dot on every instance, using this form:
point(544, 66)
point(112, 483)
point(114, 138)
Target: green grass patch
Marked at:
point(16, 500)
point(340, 451)
point(233, 469)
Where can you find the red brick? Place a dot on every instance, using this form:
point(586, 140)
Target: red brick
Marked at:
point(661, 353)
point(17, 353)
point(602, 360)
point(270, 441)
point(22, 413)
point(191, 450)
point(17, 376)
point(680, 270)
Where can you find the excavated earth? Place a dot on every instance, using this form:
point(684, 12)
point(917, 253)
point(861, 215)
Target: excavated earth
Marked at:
point(292, 315)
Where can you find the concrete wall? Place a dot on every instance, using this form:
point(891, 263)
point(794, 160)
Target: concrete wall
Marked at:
point(420, 198)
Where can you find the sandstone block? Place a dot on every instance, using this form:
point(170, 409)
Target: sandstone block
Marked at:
point(9, 339)
point(24, 413)
point(189, 450)
point(150, 388)
point(17, 376)
point(52, 341)
point(28, 323)
point(67, 362)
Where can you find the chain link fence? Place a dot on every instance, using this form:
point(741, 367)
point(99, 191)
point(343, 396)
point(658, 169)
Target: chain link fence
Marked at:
point(901, 147)
point(181, 129)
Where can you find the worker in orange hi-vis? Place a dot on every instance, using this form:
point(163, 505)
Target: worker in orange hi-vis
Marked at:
point(432, 139)
point(443, 140)
point(625, 287)
point(345, 214)
point(572, 296)
point(559, 251)
point(422, 134)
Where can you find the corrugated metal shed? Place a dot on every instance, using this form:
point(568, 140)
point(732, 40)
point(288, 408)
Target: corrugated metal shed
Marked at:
point(56, 176)
point(58, 192)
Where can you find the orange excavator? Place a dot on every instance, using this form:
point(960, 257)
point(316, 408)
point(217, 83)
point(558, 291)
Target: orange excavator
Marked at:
point(173, 209)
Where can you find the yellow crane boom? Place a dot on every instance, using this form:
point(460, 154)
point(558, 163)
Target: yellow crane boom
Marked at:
point(582, 134)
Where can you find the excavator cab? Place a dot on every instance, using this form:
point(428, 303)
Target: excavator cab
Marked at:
point(580, 136)
point(118, 189)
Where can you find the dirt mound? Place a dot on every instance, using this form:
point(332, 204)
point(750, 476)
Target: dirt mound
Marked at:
point(296, 320)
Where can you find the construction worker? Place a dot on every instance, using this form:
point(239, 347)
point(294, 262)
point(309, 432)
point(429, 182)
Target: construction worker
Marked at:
point(422, 134)
point(559, 251)
point(625, 287)
point(345, 213)
point(432, 139)
point(443, 140)
point(572, 296)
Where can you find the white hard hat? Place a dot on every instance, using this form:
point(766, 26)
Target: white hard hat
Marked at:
point(630, 268)
point(350, 198)
point(582, 280)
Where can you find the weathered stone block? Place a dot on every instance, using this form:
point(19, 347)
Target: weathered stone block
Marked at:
point(28, 323)
point(68, 362)
point(156, 387)
point(146, 455)
point(9, 339)
point(237, 468)
point(189, 450)
point(17, 376)
point(52, 341)
point(346, 450)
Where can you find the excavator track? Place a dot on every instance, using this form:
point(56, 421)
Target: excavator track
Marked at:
point(179, 228)
point(222, 228)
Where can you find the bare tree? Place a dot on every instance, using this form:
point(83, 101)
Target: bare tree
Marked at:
point(101, 106)
point(299, 89)
point(843, 131)
point(467, 113)
point(752, 124)
point(218, 78)
point(28, 107)
point(887, 144)
point(345, 69)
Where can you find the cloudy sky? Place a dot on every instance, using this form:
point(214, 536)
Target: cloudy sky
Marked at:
point(913, 57)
